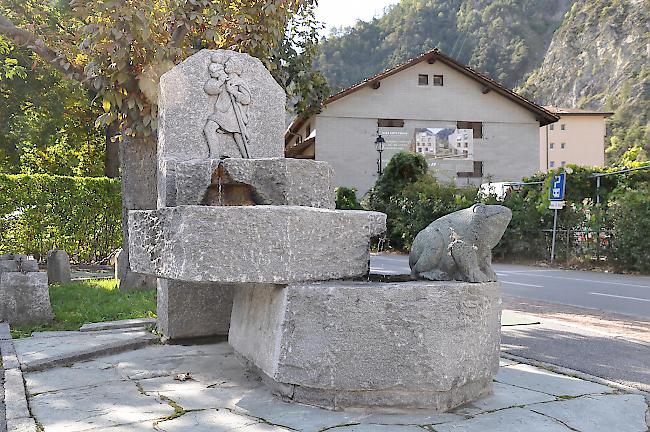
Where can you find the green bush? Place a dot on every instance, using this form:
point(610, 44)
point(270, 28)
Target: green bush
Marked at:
point(630, 215)
point(81, 215)
point(600, 230)
point(346, 198)
point(403, 169)
point(412, 198)
point(419, 204)
point(608, 230)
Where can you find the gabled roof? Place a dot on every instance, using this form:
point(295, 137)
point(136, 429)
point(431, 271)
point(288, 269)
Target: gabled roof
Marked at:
point(577, 112)
point(544, 116)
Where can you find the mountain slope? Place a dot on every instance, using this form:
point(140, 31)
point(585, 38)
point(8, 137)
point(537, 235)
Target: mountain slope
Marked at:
point(504, 38)
point(598, 59)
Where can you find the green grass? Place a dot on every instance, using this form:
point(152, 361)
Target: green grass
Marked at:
point(97, 300)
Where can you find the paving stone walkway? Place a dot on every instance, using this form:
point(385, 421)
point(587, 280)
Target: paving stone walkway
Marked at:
point(149, 389)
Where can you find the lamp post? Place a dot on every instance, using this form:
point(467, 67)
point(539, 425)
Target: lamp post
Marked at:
point(379, 146)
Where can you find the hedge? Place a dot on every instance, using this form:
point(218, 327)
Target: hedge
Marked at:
point(81, 215)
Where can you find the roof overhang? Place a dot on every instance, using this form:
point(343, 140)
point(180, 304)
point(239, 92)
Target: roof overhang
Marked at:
point(542, 115)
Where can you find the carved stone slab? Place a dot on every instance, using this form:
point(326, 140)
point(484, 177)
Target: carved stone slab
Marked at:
point(221, 96)
point(276, 181)
point(260, 244)
point(184, 107)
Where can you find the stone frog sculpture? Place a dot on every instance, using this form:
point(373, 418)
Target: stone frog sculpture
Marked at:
point(458, 246)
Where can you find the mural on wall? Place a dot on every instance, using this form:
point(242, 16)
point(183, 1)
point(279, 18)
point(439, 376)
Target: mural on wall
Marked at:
point(444, 143)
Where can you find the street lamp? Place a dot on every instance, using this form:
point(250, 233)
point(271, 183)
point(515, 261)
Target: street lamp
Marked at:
point(379, 145)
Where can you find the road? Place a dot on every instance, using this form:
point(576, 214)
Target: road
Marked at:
point(596, 323)
point(623, 294)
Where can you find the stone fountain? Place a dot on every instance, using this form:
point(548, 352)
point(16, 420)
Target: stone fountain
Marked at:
point(248, 243)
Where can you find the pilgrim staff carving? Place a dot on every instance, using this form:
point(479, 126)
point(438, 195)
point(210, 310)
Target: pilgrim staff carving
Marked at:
point(230, 115)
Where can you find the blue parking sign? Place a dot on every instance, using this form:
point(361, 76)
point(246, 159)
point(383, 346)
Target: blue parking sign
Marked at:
point(556, 191)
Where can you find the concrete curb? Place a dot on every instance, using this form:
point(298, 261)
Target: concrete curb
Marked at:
point(572, 372)
point(119, 325)
point(18, 416)
point(108, 349)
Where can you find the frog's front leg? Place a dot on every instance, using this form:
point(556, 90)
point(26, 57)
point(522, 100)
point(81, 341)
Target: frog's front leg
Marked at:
point(466, 259)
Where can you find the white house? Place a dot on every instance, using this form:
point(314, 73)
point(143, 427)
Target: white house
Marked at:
point(494, 132)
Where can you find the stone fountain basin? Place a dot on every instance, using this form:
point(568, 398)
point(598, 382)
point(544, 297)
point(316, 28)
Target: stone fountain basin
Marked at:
point(252, 244)
point(384, 345)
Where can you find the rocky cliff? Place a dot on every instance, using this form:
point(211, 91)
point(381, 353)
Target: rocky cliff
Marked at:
point(598, 59)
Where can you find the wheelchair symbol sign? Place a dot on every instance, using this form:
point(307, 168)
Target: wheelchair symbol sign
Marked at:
point(556, 191)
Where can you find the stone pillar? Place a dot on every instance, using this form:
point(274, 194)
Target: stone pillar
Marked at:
point(189, 310)
point(139, 166)
point(58, 267)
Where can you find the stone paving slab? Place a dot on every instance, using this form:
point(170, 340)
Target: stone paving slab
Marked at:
point(5, 333)
point(15, 399)
point(142, 390)
point(218, 421)
point(8, 355)
point(504, 396)
point(594, 413)
point(38, 353)
point(508, 420)
point(3, 418)
point(544, 381)
point(378, 428)
point(110, 404)
point(21, 425)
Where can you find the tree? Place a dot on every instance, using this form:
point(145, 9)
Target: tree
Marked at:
point(118, 49)
point(46, 121)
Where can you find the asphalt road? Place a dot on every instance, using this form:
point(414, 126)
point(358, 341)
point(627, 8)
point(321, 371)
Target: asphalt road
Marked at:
point(624, 294)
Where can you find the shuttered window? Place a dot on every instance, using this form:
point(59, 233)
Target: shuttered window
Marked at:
point(477, 127)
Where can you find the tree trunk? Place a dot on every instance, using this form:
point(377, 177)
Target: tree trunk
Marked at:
point(139, 163)
point(112, 153)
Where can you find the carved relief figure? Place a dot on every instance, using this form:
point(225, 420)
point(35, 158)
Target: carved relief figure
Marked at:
point(230, 115)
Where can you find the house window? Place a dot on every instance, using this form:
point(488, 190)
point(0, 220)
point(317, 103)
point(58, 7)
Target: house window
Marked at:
point(390, 123)
point(551, 145)
point(307, 131)
point(438, 80)
point(477, 127)
point(423, 80)
point(563, 126)
point(551, 164)
point(551, 127)
point(563, 145)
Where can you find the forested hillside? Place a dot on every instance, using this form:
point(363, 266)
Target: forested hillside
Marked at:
point(506, 39)
point(598, 59)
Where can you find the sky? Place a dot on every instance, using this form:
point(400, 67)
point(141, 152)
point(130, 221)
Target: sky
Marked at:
point(337, 13)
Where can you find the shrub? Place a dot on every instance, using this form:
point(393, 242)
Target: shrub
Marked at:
point(418, 204)
point(402, 169)
point(346, 198)
point(81, 215)
point(630, 214)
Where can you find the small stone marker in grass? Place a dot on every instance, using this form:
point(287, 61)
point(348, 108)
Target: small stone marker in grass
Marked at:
point(58, 267)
